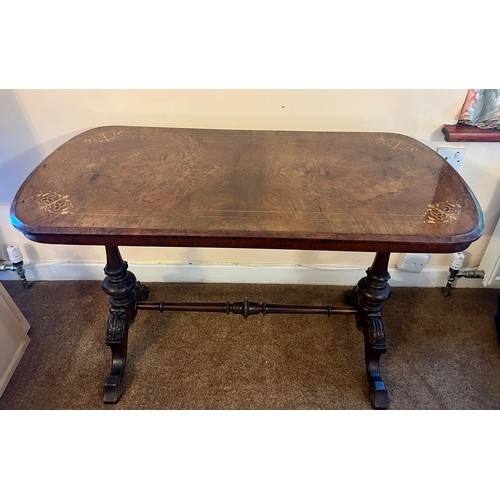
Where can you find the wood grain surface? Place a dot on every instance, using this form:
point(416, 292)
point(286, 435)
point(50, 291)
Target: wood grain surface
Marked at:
point(122, 185)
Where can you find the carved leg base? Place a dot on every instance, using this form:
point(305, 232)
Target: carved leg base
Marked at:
point(116, 339)
point(369, 296)
point(373, 331)
point(123, 290)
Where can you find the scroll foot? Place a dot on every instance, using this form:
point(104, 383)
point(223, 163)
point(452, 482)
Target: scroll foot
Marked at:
point(377, 389)
point(113, 388)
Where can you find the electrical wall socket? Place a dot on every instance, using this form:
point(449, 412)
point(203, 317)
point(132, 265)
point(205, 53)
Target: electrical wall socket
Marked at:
point(454, 156)
point(412, 262)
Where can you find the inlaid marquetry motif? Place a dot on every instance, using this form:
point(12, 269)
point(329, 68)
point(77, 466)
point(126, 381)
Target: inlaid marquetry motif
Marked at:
point(397, 143)
point(54, 203)
point(442, 212)
point(106, 136)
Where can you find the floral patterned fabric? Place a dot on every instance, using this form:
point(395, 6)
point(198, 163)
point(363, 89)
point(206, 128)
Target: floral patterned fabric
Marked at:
point(481, 108)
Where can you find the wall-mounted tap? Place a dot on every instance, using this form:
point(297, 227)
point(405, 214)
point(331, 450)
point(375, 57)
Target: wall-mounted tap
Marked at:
point(16, 264)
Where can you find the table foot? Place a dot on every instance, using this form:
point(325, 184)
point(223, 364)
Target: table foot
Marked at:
point(113, 388)
point(377, 388)
point(379, 396)
point(369, 296)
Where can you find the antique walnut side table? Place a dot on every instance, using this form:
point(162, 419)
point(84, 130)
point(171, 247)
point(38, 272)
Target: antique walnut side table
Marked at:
point(170, 187)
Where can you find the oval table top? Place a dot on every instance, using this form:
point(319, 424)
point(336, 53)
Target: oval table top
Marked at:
point(154, 186)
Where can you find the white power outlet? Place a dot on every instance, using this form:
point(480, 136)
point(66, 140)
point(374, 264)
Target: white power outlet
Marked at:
point(412, 262)
point(454, 156)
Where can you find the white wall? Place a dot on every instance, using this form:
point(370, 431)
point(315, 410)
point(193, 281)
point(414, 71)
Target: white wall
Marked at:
point(34, 122)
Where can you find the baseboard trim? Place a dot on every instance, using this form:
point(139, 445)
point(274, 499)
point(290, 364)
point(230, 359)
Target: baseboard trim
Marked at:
point(238, 273)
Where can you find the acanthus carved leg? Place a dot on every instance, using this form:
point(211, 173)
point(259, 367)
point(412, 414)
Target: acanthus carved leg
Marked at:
point(369, 296)
point(124, 291)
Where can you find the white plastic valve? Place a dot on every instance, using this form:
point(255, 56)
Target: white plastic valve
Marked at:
point(15, 255)
point(457, 261)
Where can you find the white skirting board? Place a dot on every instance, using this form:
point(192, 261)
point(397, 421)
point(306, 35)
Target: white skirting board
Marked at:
point(13, 337)
point(234, 273)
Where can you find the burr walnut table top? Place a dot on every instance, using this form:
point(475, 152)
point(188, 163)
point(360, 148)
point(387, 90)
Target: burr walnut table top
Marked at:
point(121, 185)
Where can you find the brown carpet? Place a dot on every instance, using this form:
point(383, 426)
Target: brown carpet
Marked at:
point(443, 354)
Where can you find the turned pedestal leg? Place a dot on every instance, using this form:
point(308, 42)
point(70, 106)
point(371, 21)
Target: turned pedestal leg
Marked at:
point(124, 291)
point(369, 296)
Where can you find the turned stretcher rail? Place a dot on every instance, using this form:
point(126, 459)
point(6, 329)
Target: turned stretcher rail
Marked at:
point(245, 308)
